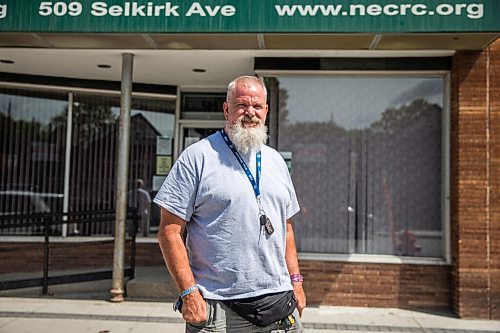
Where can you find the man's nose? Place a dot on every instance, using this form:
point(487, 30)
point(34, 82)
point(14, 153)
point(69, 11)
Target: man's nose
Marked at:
point(249, 111)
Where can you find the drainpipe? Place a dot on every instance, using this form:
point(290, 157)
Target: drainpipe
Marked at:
point(118, 285)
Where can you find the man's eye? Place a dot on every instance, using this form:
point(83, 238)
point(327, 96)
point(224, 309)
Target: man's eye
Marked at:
point(246, 107)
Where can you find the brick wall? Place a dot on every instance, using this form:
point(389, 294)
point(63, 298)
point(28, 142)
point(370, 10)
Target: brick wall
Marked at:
point(376, 285)
point(28, 256)
point(494, 167)
point(149, 254)
point(475, 183)
point(327, 283)
point(21, 257)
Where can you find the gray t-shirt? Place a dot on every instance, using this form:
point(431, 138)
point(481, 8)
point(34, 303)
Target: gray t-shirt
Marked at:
point(230, 254)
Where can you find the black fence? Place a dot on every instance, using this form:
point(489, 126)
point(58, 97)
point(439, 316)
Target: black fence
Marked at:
point(50, 224)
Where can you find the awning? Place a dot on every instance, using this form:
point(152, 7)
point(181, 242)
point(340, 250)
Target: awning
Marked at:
point(243, 16)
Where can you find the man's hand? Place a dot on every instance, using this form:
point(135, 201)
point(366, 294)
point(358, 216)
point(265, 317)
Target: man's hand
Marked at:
point(300, 295)
point(194, 308)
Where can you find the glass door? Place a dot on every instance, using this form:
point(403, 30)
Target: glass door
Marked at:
point(193, 132)
point(201, 115)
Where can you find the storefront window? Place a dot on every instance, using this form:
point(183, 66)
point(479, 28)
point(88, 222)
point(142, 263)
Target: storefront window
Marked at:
point(33, 129)
point(31, 152)
point(366, 161)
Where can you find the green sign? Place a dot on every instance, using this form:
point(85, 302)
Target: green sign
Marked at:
point(247, 16)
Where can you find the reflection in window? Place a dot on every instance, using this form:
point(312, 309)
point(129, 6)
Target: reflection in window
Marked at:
point(366, 162)
point(207, 106)
point(31, 151)
point(146, 128)
point(33, 129)
point(94, 152)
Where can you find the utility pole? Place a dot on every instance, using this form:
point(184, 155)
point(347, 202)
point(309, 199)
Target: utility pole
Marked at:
point(118, 284)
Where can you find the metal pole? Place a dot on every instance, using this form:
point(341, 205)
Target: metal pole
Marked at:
point(67, 163)
point(118, 285)
point(135, 227)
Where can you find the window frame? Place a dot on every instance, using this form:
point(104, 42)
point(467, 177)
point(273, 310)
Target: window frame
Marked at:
point(445, 161)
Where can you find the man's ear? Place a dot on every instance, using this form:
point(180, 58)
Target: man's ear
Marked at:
point(225, 107)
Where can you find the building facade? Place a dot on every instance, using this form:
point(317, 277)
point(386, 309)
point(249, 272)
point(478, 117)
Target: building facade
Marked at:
point(388, 116)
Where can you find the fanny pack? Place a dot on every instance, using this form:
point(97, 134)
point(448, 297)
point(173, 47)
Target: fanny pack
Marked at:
point(266, 309)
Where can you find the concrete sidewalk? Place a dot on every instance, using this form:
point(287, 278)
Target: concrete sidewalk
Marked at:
point(40, 315)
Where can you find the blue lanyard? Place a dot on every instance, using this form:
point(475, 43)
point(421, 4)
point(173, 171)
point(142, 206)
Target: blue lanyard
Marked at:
point(255, 184)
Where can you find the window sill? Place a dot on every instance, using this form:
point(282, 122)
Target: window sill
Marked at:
point(71, 239)
point(374, 259)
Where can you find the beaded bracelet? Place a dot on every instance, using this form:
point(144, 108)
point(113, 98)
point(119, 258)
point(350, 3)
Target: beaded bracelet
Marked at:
point(296, 278)
point(178, 303)
point(188, 291)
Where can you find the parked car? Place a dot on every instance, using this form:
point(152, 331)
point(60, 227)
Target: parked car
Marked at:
point(29, 202)
point(21, 203)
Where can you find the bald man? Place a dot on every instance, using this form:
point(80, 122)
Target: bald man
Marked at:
point(238, 270)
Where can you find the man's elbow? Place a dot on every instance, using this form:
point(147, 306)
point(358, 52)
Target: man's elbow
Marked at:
point(159, 235)
point(169, 234)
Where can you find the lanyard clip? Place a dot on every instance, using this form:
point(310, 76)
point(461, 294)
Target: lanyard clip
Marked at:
point(259, 205)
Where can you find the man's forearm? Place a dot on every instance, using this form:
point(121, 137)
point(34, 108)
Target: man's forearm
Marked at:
point(291, 258)
point(175, 256)
point(173, 249)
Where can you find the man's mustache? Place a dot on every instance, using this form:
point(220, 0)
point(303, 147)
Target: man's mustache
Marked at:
point(251, 120)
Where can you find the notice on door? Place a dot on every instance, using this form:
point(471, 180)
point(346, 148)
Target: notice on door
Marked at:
point(163, 145)
point(163, 165)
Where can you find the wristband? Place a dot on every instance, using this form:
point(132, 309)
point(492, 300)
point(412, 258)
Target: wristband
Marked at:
point(188, 291)
point(296, 278)
point(178, 303)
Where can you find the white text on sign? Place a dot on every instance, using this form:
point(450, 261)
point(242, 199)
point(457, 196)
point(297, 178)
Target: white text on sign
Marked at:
point(132, 9)
point(3, 11)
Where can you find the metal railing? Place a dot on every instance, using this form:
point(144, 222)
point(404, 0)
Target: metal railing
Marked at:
point(46, 223)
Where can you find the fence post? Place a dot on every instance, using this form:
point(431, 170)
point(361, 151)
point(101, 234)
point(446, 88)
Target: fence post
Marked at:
point(135, 227)
point(45, 283)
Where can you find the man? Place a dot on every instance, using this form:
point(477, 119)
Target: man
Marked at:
point(238, 271)
point(140, 199)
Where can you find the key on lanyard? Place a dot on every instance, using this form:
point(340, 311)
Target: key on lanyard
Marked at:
point(264, 220)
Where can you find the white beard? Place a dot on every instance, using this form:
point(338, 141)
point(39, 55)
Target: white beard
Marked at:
point(246, 139)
